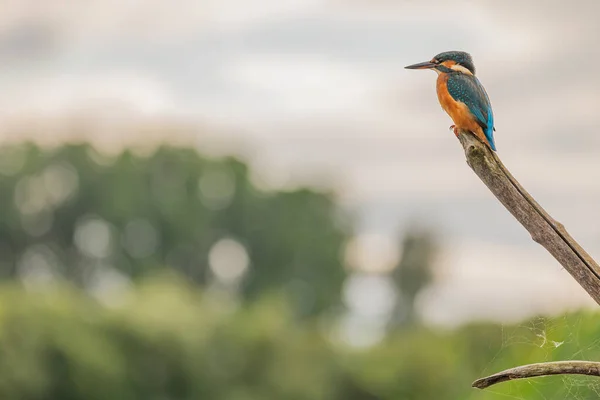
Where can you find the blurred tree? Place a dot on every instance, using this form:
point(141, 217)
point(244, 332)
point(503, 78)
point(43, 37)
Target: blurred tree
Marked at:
point(166, 340)
point(413, 273)
point(100, 219)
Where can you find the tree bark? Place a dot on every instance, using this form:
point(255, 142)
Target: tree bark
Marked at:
point(542, 369)
point(543, 228)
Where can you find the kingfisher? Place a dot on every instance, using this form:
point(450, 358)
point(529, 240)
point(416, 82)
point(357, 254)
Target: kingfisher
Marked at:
point(461, 94)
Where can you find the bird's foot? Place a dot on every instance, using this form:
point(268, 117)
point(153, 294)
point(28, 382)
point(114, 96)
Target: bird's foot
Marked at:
point(454, 129)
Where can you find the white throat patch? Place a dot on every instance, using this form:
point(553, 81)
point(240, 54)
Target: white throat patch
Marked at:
point(460, 68)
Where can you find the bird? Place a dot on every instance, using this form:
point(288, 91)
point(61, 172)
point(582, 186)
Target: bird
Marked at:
point(461, 94)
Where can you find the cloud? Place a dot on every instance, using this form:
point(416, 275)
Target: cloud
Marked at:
point(59, 95)
point(510, 284)
point(291, 84)
point(147, 20)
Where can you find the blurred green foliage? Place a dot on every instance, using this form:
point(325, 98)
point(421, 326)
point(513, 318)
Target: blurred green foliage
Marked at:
point(162, 339)
point(76, 213)
point(169, 275)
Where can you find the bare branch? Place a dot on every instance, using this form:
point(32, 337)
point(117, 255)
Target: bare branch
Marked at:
point(544, 230)
point(542, 369)
point(542, 227)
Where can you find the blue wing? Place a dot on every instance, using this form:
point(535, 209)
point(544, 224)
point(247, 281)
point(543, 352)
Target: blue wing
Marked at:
point(468, 90)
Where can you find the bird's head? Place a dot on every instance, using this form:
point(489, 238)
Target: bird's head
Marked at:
point(449, 61)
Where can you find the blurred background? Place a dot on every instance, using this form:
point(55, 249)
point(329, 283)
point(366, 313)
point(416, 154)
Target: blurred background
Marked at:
point(240, 200)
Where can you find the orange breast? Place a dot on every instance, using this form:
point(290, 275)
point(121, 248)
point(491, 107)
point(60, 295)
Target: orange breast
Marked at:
point(458, 111)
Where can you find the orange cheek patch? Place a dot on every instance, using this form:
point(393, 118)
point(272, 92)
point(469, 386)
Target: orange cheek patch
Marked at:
point(449, 63)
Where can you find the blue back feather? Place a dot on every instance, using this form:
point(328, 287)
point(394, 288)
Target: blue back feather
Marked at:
point(468, 90)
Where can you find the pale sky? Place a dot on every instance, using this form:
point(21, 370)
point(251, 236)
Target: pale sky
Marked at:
point(315, 91)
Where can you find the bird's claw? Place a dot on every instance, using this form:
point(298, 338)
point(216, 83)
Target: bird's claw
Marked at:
point(454, 129)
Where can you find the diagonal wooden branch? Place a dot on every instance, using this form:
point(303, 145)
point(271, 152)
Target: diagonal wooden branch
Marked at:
point(543, 228)
point(542, 369)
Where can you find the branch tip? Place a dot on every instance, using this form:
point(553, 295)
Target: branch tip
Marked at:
point(588, 368)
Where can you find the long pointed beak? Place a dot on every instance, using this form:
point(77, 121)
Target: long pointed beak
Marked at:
point(423, 65)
